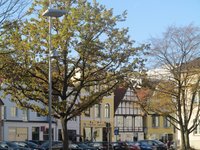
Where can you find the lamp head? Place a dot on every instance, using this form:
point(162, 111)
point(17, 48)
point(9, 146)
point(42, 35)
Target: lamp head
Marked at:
point(54, 12)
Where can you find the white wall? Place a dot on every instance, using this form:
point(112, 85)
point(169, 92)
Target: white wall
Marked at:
point(33, 121)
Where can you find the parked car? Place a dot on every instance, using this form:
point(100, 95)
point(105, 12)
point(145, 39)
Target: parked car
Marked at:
point(101, 145)
point(33, 146)
point(173, 145)
point(38, 142)
point(116, 146)
point(3, 146)
point(74, 147)
point(84, 146)
point(125, 146)
point(144, 146)
point(55, 145)
point(14, 146)
point(27, 144)
point(151, 145)
point(132, 146)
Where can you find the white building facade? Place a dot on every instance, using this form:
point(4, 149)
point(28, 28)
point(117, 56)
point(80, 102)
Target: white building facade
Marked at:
point(194, 136)
point(23, 124)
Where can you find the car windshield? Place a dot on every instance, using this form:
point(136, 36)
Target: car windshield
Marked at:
point(32, 144)
point(45, 144)
point(130, 143)
point(115, 143)
point(12, 144)
point(97, 144)
point(3, 145)
point(158, 142)
point(73, 146)
point(143, 143)
point(82, 145)
point(21, 144)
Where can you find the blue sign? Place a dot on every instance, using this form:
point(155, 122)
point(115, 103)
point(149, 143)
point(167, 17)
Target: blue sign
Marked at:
point(116, 131)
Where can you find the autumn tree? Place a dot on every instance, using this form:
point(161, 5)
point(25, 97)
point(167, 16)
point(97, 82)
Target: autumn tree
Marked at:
point(94, 57)
point(176, 88)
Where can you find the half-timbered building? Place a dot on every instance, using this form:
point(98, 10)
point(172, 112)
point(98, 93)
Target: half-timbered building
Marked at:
point(129, 124)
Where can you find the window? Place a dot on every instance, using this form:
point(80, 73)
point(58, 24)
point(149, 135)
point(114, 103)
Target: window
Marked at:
point(25, 115)
point(197, 129)
point(71, 136)
point(107, 111)
point(155, 121)
point(197, 97)
point(17, 133)
point(13, 112)
point(128, 122)
point(119, 121)
point(60, 134)
point(3, 112)
point(87, 112)
point(73, 119)
point(98, 110)
point(166, 122)
point(97, 87)
point(138, 121)
point(12, 133)
point(38, 114)
point(35, 133)
point(46, 134)
point(130, 96)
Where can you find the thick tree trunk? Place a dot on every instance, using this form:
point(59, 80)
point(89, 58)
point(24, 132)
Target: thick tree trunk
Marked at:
point(187, 141)
point(65, 137)
point(182, 139)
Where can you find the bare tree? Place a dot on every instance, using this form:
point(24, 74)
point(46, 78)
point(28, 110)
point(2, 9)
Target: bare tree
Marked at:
point(11, 9)
point(177, 53)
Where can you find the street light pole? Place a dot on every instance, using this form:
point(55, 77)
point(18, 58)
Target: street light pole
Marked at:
point(51, 13)
point(50, 88)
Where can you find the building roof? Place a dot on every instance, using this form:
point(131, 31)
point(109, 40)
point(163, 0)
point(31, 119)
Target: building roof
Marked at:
point(194, 63)
point(143, 93)
point(118, 96)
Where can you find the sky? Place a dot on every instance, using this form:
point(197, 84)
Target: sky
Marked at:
point(150, 18)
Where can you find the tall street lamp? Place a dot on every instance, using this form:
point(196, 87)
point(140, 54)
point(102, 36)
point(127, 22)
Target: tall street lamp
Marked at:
point(50, 12)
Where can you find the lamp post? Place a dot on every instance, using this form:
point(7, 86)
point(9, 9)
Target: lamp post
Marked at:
point(50, 12)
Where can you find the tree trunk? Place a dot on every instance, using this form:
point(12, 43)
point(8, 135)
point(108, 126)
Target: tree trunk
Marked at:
point(182, 138)
point(65, 137)
point(187, 141)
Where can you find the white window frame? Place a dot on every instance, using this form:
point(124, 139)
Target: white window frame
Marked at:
point(107, 110)
point(155, 121)
point(25, 114)
point(197, 129)
point(13, 111)
point(97, 110)
point(166, 122)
